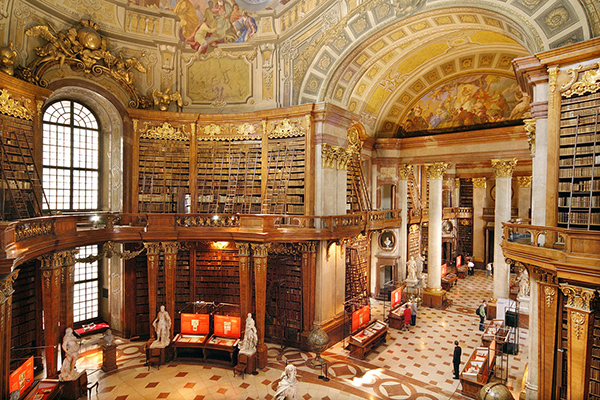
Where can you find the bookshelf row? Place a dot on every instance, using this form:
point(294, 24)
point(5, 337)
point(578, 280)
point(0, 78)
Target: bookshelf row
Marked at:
point(579, 161)
point(579, 202)
point(581, 150)
point(579, 172)
point(584, 186)
point(579, 218)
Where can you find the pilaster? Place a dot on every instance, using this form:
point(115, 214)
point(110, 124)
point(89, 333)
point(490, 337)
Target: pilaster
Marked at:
point(6, 292)
point(479, 194)
point(260, 254)
point(170, 249)
point(524, 196)
point(152, 254)
point(435, 175)
point(245, 279)
point(309, 275)
point(403, 171)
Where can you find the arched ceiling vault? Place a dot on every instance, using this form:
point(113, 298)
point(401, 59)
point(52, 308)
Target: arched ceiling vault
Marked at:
point(393, 66)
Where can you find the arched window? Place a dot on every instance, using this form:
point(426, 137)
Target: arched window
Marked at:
point(71, 171)
point(71, 139)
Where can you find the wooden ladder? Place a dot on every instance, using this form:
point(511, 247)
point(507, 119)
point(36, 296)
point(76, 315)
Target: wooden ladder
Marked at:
point(356, 281)
point(358, 184)
point(413, 190)
point(232, 185)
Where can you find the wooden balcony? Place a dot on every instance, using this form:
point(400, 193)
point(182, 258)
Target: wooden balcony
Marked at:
point(26, 239)
point(571, 254)
point(417, 215)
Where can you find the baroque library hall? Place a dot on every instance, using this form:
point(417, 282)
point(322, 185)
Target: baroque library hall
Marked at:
point(300, 199)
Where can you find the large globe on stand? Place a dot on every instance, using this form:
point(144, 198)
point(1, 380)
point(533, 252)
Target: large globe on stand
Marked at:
point(317, 341)
point(494, 391)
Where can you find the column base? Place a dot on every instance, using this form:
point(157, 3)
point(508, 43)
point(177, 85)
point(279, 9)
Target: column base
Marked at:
point(435, 298)
point(261, 351)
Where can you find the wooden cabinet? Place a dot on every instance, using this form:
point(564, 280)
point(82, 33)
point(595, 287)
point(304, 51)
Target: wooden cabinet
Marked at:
point(579, 163)
point(594, 392)
point(477, 370)
point(363, 342)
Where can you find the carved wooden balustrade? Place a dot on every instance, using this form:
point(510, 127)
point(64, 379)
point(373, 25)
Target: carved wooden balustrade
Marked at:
point(26, 239)
point(416, 215)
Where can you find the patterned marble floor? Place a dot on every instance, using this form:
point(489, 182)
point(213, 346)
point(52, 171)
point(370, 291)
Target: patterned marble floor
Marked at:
point(411, 365)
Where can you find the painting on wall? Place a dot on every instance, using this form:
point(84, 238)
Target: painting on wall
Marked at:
point(219, 79)
point(465, 103)
point(207, 23)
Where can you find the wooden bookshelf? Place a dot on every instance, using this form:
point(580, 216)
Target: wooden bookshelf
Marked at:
point(142, 319)
point(24, 316)
point(217, 275)
point(466, 193)
point(594, 390)
point(579, 163)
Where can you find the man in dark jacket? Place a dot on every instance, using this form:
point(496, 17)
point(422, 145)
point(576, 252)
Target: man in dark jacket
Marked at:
point(456, 358)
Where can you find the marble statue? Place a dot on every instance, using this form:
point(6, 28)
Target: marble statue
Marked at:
point(287, 389)
point(162, 326)
point(411, 269)
point(108, 337)
point(420, 260)
point(70, 346)
point(248, 344)
point(523, 280)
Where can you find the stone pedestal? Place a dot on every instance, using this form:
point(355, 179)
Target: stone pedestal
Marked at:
point(109, 357)
point(73, 390)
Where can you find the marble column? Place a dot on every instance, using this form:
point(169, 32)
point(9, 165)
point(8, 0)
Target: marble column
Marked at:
point(68, 287)
point(260, 254)
point(531, 385)
point(403, 171)
point(6, 292)
point(435, 175)
point(479, 195)
point(503, 170)
point(524, 196)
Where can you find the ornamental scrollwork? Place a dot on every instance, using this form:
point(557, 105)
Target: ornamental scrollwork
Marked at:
point(436, 170)
point(588, 83)
point(83, 49)
point(6, 285)
point(578, 298)
point(530, 131)
point(578, 322)
point(109, 251)
point(285, 248)
point(166, 132)
point(504, 168)
point(524, 181)
point(32, 229)
point(334, 156)
point(549, 295)
point(10, 106)
point(286, 129)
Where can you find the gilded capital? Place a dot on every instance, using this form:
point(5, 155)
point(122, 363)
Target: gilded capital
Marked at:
point(152, 247)
point(504, 168)
point(479, 183)
point(530, 130)
point(578, 298)
point(436, 170)
point(243, 248)
point(260, 250)
point(404, 171)
point(456, 182)
point(524, 181)
point(170, 247)
point(6, 285)
point(334, 156)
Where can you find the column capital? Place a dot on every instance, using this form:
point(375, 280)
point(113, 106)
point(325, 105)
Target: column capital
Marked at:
point(479, 183)
point(503, 168)
point(524, 181)
point(530, 130)
point(260, 250)
point(59, 259)
point(436, 170)
point(152, 247)
point(6, 285)
point(456, 182)
point(404, 170)
point(578, 298)
point(170, 247)
point(243, 248)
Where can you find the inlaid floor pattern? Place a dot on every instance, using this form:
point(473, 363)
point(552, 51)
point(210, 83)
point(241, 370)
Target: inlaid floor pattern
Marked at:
point(411, 365)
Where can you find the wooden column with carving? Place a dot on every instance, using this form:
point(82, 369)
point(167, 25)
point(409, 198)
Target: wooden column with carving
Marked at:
point(68, 287)
point(6, 291)
point(578, 303)
point(152, 254)
point(309, 274)
point(547, 320)
point(245, 279)
point(170, 249)
point(51, 293)
point(260, 253)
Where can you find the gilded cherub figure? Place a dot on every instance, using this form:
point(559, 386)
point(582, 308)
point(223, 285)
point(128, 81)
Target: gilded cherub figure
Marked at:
point(7, 59)
point(164, 99)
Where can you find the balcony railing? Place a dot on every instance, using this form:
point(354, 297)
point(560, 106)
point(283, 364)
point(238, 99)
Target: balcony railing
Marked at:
point(27, 239)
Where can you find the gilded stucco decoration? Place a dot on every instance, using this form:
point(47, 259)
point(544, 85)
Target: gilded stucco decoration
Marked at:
point(556, 18)
point(404, 171)
point(354, 141)
point(552, 78)
point(10, 106)
point(286, 129)
point(83, 49)
point(503, 168)
point(334, 156)
point(578, 321)
point(6, 285)
point(436, 170)
point(479, 183)
point(549, 295)
point(524, 181)
point(227, 131)
point(164, 99)
point(578, 298)
point(109, 250)
point(530, 131)
point(589, 82)
point(167, 132)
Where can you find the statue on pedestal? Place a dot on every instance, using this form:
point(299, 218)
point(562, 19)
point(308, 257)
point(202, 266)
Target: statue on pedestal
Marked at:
point(420, 260)
point(411, 270)
point(523, 280)
point(108, 338)
point(248, 345)
point(287, 389)
point(68, 372)
point(162, 325)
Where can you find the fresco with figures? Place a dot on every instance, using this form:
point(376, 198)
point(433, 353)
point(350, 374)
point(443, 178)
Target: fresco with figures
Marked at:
point(207, 23)
point(467, 102)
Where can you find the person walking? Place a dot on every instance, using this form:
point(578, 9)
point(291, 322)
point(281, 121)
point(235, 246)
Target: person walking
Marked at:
point(488, 269)
point(482, 312)
point(456, 358)
point(413, 312)
point(471, 266)
point(407, 316)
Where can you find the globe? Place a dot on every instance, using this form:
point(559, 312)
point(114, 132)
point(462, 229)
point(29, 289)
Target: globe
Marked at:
point(494, 391)
point(317, 341)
